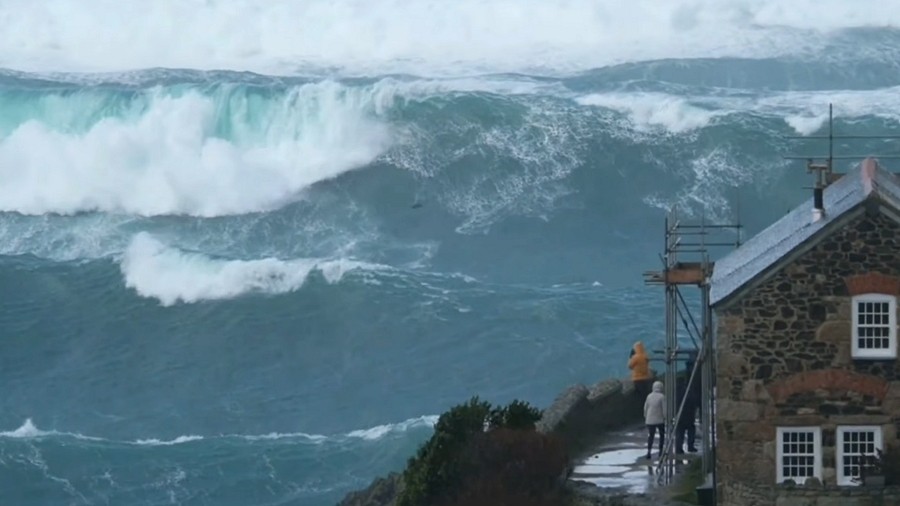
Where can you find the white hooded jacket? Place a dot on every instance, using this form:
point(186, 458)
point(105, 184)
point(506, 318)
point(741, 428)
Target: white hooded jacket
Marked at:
point(655, 406)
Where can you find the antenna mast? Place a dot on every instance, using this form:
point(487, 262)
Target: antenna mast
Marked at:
point(824, 171)
point(824, 168)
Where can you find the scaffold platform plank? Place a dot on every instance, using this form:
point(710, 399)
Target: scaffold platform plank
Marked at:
point(682, 273)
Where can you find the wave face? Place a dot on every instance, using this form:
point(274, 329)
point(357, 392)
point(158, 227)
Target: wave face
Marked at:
point(249, 250)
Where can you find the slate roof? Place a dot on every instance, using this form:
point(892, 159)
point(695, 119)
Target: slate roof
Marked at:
point(755, 257)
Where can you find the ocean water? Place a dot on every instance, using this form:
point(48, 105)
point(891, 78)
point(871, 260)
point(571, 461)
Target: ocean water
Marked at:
point(249, 250)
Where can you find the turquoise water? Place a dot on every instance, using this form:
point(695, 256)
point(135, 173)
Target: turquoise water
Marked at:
point(253, 266)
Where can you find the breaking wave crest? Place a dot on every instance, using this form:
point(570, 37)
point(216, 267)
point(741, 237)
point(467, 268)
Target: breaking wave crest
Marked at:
point(170, 275)
point(171, 152)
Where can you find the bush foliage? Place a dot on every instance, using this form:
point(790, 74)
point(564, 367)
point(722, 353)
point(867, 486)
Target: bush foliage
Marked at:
point(884, 463)
point(484, 455)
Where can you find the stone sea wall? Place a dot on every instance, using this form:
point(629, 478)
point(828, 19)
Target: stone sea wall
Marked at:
point(581, 415)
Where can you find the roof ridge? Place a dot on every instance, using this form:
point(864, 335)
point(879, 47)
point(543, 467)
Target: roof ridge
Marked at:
point(765, 249)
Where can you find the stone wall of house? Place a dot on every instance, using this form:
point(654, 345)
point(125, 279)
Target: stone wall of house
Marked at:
point(783, 352)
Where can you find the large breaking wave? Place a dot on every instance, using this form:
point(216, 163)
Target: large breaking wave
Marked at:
point(492, 148)
point(172, 152)
point(234, 232)
point(102, 171)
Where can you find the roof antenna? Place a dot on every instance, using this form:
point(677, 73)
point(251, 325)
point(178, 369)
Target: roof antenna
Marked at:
point(738, 227)
point(823, 171)
point(824, 168)
point(830, 138)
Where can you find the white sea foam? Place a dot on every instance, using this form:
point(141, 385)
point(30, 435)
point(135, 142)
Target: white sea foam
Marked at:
point(807, 112)
point(380, 431)
point(804, 111)
point(154, 269)
point(176, 441)
point(314, 438)
point(414, 35)
point(28, 430)
point(649, 111)
point(806, 124)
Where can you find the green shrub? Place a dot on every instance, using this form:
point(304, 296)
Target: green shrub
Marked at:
point(516, 415)
point(514, 467)
point(432, 472)
point(482, 453)
point(884, 463)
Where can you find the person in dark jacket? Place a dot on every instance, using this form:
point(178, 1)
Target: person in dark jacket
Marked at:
point(697, 385)
point(684, 426)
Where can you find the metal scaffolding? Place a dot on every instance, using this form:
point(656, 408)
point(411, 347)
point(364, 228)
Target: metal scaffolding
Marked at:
point(686, 262)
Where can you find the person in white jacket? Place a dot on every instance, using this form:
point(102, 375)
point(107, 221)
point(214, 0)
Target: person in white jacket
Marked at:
point(655, 416)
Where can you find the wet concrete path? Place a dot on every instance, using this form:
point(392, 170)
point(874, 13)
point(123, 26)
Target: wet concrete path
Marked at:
point(619, 463)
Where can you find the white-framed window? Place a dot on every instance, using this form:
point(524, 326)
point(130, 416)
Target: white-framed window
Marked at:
point(799, 453)
point(853, 442)
point(874, 326)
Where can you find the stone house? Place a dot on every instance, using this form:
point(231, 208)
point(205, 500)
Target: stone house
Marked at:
point(807, 378)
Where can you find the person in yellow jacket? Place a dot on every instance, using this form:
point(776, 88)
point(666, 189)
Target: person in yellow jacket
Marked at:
point(639, 364)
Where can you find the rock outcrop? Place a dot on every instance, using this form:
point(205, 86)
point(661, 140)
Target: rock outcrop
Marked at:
point(382, 492)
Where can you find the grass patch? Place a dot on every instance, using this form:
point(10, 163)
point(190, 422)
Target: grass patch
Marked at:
point(685, 487)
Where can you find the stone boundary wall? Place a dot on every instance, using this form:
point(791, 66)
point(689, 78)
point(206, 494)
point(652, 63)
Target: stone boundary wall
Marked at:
point(815, 495)
point(581, 415)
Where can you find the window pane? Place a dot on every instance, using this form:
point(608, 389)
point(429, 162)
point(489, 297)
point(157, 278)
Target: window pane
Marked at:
point(874, 325)
point(855, 446)
point(798, 454)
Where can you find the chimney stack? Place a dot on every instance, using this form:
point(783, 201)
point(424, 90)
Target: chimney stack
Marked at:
point(818, 205)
